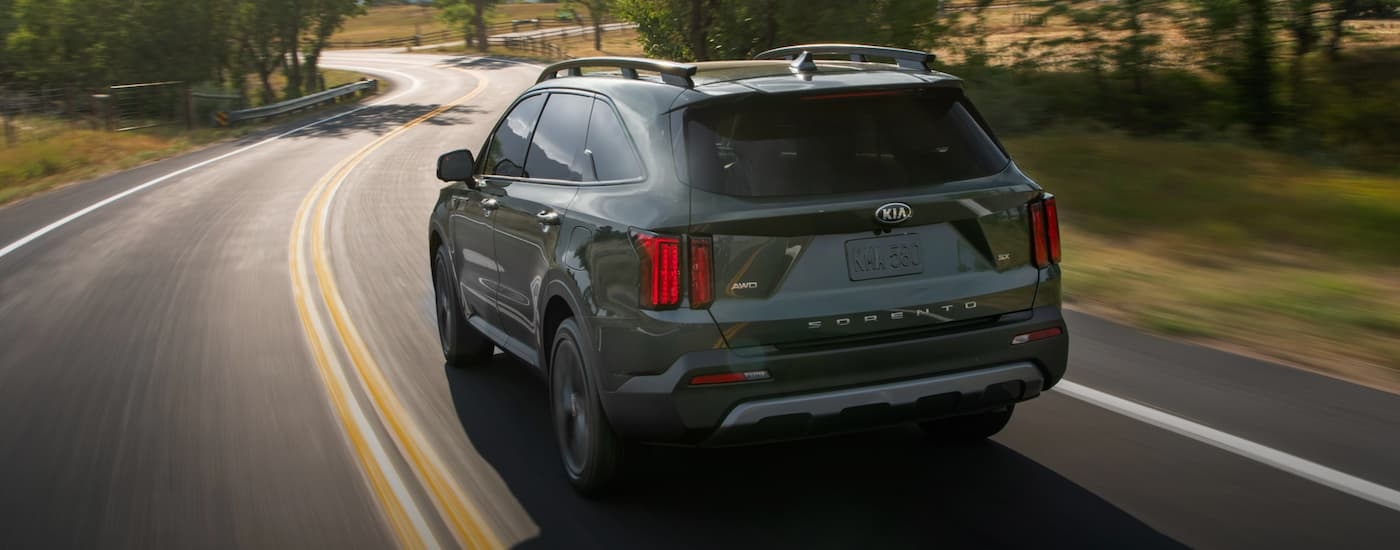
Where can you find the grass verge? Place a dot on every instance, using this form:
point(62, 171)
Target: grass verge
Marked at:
point(53, 152)
point(1243, 248)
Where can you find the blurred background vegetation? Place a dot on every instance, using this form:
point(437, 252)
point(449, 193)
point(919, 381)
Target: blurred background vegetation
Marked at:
point(1228, 170)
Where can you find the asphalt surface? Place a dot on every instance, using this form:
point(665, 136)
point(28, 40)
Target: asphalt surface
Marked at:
point(157, 389)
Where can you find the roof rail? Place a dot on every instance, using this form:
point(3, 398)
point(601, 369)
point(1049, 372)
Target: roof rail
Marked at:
point(671, 72)
point(906, 59)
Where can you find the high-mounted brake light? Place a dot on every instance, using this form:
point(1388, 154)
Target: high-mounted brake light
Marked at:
point(660, 275)
point(702, 287)
point(847, 95)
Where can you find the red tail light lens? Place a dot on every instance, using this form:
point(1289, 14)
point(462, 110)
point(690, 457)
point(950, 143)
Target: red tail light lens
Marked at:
point(702, 286)
point(1052, 222)
point(661, 270)
point(1040, 254)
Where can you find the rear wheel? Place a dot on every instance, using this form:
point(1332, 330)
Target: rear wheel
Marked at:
point(589, 448)
point(462, 345)
point(968, 428)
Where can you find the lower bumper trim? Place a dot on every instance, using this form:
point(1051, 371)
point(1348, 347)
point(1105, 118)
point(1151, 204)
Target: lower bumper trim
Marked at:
point(921, 398)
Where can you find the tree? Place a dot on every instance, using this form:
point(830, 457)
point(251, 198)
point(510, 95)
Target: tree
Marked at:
point(726, 29)
point(1236, 40)
point(598, 10)
point(255, 28)
point(470, 16)
point(327, 17)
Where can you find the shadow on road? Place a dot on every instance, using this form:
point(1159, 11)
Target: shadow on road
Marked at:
point(886, 489)
point(484, 63)
point(374, 119)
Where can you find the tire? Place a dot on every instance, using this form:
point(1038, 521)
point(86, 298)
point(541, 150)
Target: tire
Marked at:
point(462, 345)
point(972, 428)
point(588, 448)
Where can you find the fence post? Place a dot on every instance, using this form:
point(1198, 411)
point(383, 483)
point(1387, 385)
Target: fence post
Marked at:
point(9, 129)
point(96, 109)
point(189, 107)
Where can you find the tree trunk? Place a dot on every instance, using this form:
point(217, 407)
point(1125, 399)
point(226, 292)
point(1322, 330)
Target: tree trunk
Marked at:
point(1305, 37)
point(597, 29)
point(294, 75)
point(1256, 79)
point(1345, 9)
point(770, 24)
point(268, 95)
point(697, 34)
point(479, 21)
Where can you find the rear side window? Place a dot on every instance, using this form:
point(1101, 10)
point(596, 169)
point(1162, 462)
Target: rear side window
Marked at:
point(556, 152)
point(837, 143)
point(506, 154)
point(613, 155)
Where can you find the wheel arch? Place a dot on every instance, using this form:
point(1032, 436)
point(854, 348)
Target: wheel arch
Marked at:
point(558, 302)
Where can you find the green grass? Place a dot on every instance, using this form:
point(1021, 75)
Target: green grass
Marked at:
point(1218, 197)
point(1254, 250)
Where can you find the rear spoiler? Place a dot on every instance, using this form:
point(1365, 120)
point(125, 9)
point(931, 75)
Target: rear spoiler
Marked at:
point(913, 60)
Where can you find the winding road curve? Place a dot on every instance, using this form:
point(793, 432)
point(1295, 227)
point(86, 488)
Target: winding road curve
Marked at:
point(235, 348)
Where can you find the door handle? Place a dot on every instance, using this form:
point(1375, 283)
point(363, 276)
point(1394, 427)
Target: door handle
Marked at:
point(490, 204)
point(547, 217)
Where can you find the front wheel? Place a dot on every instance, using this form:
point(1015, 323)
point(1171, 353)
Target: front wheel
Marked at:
point(462, 345)
point(589, 448)
point(968, 428)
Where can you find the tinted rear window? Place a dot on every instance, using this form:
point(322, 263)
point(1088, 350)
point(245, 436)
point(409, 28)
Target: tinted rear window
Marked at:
point(766, 146)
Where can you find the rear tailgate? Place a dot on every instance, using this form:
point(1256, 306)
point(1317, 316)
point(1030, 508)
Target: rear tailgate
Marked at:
point(803, 197)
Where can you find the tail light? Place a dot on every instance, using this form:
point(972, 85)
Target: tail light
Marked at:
point(661, 274)
point(661, 270)
point(1045, 232)
point(702, 278)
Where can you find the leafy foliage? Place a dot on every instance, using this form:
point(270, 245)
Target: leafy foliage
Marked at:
point(94, 43)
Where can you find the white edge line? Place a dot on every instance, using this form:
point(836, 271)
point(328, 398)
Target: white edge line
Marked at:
point(387, 467)
point(22, 241)
point(1346, 483)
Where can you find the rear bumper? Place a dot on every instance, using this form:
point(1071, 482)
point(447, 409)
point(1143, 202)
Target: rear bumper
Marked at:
point(833, 389)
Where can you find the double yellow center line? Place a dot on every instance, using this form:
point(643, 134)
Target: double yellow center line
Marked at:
point(459, 514)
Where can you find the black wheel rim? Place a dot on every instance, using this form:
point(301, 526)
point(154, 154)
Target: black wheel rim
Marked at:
point(444, 306)
point(571, 409)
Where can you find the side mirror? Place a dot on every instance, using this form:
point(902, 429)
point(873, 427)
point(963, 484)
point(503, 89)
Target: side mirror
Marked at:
point(455, 166)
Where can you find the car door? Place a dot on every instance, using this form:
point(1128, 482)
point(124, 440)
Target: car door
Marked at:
point(473, 210)
point(533, 207)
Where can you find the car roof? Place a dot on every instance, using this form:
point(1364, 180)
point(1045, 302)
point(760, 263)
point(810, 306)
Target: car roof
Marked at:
point(713, 79)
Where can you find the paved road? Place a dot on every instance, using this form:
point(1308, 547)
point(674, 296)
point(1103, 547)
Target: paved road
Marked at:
point(165, 363)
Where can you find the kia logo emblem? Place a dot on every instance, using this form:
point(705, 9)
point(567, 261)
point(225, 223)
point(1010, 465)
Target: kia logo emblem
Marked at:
point(894, 213)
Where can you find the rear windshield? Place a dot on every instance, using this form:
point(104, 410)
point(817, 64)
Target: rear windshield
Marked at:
point(837, 143)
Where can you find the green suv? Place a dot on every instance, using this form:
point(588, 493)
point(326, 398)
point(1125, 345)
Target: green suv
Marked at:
point(734, 252)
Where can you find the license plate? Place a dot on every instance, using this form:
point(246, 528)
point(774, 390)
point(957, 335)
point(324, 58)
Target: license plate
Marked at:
point(880, 257)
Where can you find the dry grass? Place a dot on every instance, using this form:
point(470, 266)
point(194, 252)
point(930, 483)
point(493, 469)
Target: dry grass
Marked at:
point(1253, 250)
point(391, 22)
point(69, 155)
point(385, 22)
point(1308, 309)
point(622, 42)
point(52, 152)
point(1006, 28)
